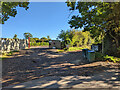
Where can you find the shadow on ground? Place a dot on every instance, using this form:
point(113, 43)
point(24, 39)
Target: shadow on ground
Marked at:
point(60, 67)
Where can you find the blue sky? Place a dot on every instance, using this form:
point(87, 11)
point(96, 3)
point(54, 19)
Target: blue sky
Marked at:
point(41, 19)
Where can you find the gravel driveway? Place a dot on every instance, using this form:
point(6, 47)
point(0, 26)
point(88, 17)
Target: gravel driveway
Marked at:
point(38, 62)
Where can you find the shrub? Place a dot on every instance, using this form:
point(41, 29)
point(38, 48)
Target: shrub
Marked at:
point(99, 56)
point(45, 43)
point(39, 44)
point(112, 58)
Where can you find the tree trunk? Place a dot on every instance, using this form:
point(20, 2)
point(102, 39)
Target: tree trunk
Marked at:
point(116, 40)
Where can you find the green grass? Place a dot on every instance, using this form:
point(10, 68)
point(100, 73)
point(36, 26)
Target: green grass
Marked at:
point(74, 48)
point(60, 50)
point(70, 49)
point(3, 57)
point(11, 53)
point(7, 55)
point(78, 48)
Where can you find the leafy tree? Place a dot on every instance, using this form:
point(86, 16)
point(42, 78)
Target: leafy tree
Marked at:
point(15, 36)
point(48, 37)
point(26, 35)
point(32, 40)
point(100, 18)
point(8, 9)
point(36, 39)
point(75, 38)
point(44, 39)
point(81, 38)
point(66, 36)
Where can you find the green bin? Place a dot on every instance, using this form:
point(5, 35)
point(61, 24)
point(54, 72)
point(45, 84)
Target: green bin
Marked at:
point(91, 55)
point(85, 52)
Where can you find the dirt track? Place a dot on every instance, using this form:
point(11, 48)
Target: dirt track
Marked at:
point(42, 62)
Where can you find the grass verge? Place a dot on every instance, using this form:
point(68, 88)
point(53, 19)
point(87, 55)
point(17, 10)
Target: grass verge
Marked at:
point(8, 54)
point(112, 58)
point(72, 49)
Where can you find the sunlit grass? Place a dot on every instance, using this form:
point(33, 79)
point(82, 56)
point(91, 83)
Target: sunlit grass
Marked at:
point(60, 50)
point(112, 58)
point(77, 48)
point(2, 57)
point(7, 54)
point(73, 49)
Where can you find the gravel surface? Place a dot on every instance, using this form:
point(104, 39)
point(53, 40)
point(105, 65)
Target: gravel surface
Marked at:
point(36, 63)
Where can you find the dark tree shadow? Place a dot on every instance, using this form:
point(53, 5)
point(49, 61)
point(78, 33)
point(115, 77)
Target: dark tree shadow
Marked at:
point(44, 62)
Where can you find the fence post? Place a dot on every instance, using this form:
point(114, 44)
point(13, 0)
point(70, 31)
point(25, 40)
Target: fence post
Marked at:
point(28, 42)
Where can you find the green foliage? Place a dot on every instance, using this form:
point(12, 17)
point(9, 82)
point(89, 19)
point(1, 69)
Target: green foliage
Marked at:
point(39, 44)
point(32, 40)
point(15, 36)
point(81, 38)
point(66, 36)
point(10, 53)
point(45, 39)
point(99, 56)
point(112, 58)
point(60, 50)
point(48, 38)
point(74, 38)
point(26, 35)
point(98, 18)
point(8, 9)
point(36, 39)
point(2, 58)
point(74, 48)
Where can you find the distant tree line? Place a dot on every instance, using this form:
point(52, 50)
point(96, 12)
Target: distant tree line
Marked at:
point(34, 41)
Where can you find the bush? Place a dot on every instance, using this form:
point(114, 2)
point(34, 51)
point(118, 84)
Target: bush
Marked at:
point(45, 43)
point(112, 58)
point(10, 53)
point(39, 44)
point(99, 56)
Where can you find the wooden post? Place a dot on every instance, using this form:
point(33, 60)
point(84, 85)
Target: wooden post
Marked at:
point(28, 42)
